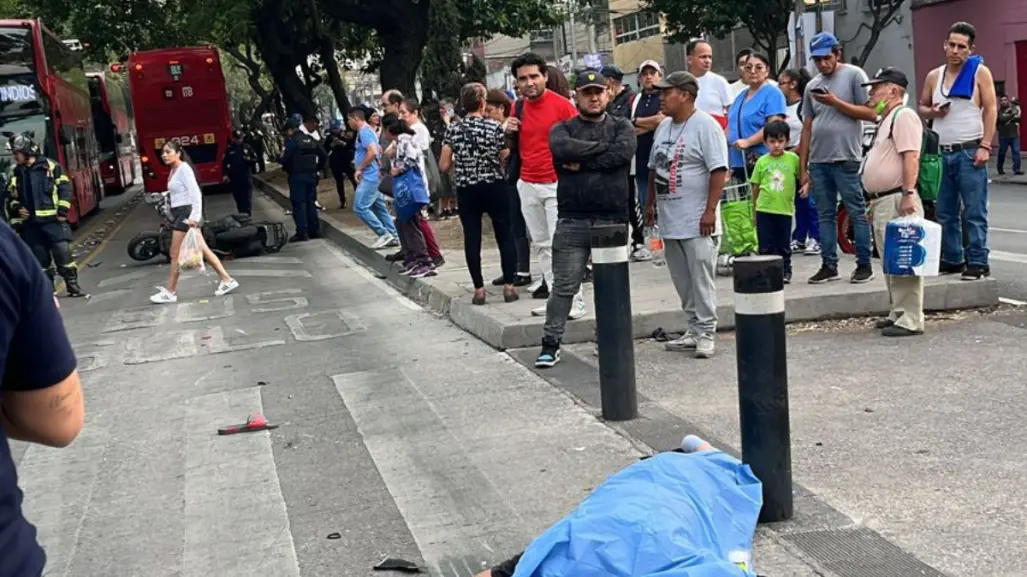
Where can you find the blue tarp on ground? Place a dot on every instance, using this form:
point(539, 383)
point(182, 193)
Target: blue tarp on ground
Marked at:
point(674, 515)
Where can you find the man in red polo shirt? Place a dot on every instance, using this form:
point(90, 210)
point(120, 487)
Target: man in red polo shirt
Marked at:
point(539, 111)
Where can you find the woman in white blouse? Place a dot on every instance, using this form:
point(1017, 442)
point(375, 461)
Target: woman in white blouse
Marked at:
point(186, 213)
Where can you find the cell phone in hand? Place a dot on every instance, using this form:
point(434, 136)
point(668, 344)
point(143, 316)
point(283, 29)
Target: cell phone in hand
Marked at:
point(819, 90)
point(944, 105)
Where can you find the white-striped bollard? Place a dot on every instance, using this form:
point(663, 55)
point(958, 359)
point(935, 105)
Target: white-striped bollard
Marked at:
point(612, 287)
point(763, 380)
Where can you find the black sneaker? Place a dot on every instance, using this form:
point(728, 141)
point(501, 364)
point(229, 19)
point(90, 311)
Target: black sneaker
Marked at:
point(522, 280)
point(541, 292)
point(884, 323)
point(949, 268)
point(976, 272)
point(394, 257)
point(825, 274)
point(788, 278)
point(589, 275)
point(897, 331)
point(548, 358)
point(498, 281)
point(438, 261)
point(298, 238)
point(862, 274)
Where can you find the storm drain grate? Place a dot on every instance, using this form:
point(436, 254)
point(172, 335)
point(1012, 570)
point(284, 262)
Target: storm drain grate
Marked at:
point(859, 552)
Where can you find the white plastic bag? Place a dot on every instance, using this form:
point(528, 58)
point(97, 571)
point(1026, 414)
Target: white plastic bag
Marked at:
point(912, 247)
point(190, 255)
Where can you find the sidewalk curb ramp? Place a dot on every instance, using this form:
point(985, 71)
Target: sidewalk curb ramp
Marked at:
point(515, 333)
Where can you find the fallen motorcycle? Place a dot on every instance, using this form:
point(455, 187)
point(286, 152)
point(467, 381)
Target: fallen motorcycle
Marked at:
point(230, 237)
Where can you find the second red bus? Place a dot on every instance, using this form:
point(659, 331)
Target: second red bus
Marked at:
point(179, 95)
point(113, 132)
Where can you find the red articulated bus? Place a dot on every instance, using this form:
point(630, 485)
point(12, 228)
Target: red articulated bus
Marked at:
point(179, 95)
point(43, 90)
point(113, 124)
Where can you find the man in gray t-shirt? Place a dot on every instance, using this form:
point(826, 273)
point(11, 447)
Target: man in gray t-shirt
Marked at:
point(833, 109)
point(687, 171)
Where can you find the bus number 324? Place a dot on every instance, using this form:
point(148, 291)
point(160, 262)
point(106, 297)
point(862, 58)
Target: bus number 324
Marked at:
point(185, 140)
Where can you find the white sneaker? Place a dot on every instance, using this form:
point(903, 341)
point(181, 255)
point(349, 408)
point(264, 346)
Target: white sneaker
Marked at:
point(641, 254)
point(539, 311)
point(226, 287)
point(812, 248)
point(577, 309)
point(382, 242)
point(705, 348)
point(681, 344)
point(164, 297)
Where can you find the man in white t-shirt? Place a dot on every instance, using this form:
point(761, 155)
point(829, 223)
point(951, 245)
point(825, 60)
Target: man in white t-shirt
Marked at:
point(715, 95)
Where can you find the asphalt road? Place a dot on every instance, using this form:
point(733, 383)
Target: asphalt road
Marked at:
point(1007, 238)
point(398, 434)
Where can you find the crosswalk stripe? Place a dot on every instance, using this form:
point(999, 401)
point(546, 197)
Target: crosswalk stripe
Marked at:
point(235, 518)
point(1007, 256)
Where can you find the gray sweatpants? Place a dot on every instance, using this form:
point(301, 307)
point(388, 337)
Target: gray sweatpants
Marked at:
point(692, 264)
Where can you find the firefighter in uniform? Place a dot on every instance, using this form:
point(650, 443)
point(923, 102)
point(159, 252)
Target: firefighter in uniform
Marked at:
point(236, 165)
point(303, 160)
point(38, 201)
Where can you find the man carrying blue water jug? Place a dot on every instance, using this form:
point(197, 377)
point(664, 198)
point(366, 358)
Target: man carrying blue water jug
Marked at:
point(891, 189)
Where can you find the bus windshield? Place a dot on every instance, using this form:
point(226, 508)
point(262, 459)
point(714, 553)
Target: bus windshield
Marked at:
point(16, 55)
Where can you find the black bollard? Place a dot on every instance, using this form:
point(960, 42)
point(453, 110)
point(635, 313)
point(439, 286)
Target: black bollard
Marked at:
point(763, 380)
point(613, 321)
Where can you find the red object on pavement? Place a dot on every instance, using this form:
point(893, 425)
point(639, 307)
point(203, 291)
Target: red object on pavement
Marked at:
point(253, 423)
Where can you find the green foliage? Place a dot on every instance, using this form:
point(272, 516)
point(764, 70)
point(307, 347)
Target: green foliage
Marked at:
point(766, 20)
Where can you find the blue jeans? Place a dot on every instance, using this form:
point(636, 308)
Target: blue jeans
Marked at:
point(369, 206)
point(963, 185)
point(642, 181)
point(831, 180)
point(806, 224)
point(303, 194)
point(1013, 145)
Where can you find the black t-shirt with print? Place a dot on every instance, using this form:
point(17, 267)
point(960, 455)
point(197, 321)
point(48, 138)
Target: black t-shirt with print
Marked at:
point(476, 143)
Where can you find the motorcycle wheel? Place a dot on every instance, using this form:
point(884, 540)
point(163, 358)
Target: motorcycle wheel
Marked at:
point(144, 246)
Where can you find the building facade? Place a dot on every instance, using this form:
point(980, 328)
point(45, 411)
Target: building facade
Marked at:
point(1001, 39)
point(636, 36)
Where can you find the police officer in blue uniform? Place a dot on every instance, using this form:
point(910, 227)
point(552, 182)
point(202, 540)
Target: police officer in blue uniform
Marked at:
point(37, 205)
point(238, 158)
point(303, 160)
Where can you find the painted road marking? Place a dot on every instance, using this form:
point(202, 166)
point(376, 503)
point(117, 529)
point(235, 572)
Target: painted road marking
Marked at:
point(1013, 302)
point(1009, 230)
point(160, 347)
point(451, 507)
point(274, 260)
point(270, 272)
point(205, 310)
point(1008, 256)
point(270, 297)
point(137, 318)
point(59, 485)
point(89, 358)
point(298, 324)
point(235, 520)
point(366, 275)
point(217, 343)
point(123, 278)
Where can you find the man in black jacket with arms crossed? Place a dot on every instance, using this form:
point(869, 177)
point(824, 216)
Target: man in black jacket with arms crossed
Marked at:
point(592, 153)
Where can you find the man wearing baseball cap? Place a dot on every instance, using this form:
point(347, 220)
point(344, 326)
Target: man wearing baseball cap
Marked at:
point(892, 193)
point(592, 154)
point(646, 116)
point(833, 110)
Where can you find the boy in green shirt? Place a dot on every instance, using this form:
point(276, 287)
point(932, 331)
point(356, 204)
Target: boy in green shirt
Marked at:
point(774, 182)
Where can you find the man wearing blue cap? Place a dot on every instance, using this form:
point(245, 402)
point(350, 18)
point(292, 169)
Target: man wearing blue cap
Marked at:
point(831, 151)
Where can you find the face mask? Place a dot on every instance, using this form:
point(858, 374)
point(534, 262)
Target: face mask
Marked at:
point(880, 107)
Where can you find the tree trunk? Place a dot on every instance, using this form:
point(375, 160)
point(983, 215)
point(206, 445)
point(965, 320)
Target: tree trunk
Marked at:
point(281, 62)
point(403, 50)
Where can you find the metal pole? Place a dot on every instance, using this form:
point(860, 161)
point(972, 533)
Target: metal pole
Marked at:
point(613, 322)
point(574, 36)
point(763, 380)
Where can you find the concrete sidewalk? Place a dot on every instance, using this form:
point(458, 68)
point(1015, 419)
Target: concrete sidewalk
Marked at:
point(654, 302)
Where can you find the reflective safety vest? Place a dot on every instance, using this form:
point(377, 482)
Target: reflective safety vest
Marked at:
point(49, 187)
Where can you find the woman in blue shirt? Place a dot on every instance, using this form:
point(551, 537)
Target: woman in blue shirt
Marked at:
point(753, 109)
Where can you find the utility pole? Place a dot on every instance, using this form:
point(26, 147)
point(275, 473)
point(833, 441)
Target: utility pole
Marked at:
point(574, 34)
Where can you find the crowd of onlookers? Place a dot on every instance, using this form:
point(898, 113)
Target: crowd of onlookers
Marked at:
point(545, 163)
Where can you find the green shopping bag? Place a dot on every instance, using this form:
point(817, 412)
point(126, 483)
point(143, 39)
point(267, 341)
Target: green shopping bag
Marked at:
point(739, 229)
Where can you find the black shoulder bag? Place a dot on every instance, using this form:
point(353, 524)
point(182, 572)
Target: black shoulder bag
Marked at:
point(513, 164)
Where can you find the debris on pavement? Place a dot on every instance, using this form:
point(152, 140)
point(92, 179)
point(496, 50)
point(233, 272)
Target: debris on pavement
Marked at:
point(334, 536)
point(253, 423)
point(397, 564)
